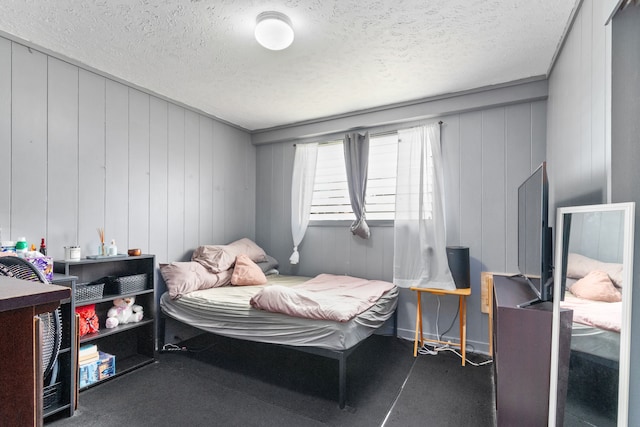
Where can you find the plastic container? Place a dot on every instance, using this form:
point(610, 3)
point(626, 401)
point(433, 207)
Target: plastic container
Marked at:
point(7, 246)
point(21, 247)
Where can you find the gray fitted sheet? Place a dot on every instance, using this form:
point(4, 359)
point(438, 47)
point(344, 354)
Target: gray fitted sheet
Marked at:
point(226, 311)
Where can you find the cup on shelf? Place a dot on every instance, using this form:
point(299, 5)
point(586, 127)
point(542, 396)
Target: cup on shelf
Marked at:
point(72, 253)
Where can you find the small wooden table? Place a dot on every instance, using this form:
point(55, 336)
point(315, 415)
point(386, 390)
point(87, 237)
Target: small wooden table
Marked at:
point(462, 293)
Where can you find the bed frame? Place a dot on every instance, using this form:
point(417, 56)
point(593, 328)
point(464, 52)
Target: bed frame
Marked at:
point(339, 355)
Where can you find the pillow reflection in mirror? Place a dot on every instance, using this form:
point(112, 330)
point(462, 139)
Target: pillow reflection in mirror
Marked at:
point(596, 286)
point(578, 266)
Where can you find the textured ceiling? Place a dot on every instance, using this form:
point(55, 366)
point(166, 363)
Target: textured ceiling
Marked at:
point(348, 55)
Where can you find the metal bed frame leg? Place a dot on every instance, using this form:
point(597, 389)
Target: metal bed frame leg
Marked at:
point(342, 380)
point(162, 321)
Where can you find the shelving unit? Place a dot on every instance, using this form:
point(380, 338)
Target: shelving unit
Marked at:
point(132, 344)
point(61, 398)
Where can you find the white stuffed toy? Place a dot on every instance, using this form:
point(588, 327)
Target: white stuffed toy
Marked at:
point(124, 310)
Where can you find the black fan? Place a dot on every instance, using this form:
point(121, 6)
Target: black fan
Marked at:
point(51, 322)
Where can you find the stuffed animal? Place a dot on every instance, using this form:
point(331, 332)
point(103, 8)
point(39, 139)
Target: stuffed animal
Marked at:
point(124, 310)
point(88, 319)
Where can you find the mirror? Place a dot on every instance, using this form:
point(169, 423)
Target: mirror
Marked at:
point(592, 278)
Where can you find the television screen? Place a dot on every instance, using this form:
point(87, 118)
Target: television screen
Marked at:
point(534, 237)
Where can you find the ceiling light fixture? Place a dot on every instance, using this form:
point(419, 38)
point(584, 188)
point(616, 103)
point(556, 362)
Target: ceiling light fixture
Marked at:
point(274, 30)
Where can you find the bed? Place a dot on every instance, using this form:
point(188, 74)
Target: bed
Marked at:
point(234, 311)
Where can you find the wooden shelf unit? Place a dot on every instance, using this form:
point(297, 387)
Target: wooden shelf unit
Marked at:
point(132, 344)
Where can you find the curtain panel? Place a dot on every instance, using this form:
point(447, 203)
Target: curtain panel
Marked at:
point(420, 257)
point(304, 173)
point(356, 159)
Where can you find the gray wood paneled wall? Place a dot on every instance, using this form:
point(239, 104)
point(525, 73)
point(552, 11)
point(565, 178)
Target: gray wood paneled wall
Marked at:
point(578, 138)
point(592, 139)
point(79, 151)
point(625, 158)
point(487, 154)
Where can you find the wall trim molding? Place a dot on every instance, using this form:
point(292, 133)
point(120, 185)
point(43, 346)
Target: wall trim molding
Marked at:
point(527, 90)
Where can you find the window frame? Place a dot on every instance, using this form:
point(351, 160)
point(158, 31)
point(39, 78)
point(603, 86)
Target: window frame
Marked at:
point(341, 222)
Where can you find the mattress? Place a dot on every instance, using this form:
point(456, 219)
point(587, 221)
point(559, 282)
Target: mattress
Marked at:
point(226, 311)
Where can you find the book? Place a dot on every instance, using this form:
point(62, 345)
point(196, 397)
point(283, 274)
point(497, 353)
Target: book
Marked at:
point(87, 349)
point(91, 358)
point(88, 354)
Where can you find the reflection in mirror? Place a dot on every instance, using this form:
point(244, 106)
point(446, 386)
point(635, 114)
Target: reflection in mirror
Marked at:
point(594, 258)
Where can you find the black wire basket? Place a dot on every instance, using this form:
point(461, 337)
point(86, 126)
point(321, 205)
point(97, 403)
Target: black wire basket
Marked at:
point(127, 284)
point(89, 291)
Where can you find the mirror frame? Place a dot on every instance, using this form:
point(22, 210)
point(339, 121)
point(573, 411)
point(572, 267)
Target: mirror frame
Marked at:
point(625, 326)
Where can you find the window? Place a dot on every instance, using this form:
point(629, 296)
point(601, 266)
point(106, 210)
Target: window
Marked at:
point(331, 193)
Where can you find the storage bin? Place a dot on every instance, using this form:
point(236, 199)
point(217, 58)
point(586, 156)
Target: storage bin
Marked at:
point(96, 371)
point(52, 395)
point(127, 284)
point(89, 291)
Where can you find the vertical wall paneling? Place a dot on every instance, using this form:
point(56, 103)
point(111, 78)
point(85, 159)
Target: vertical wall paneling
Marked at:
point(116, 221)
point(538, 133)
point(233, 183)
point(219, 181)
point(577, 105)
point(249, 177)
point(158, 194)
point(625, 157)
point(5, 137)
point(191, 178)
point(206, 182)
point(450, 142)
point(518, 167)
point(586, 82)
point(494, 187)
point(598, 100)
point(62, 153)
point(471, 185)
point(91, 160)
point(243, 186)
point(264, 172)
point(29, 143)
point(176, 173)
point(278, 209)
point(138, 170)
point(80, 151)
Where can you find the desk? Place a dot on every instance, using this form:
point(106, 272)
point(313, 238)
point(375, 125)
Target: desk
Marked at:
point(21, 371)
point(462, 293)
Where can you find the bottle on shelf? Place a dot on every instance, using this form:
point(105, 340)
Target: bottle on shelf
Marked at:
point(113, 249)
point(43, 247)
point(21, 247)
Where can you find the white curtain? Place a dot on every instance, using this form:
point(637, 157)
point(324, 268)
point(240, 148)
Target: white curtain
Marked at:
point(420, 257)
point(304, 173)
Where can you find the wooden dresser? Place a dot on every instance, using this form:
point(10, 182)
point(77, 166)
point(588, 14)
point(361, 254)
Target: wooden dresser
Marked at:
point(522, 354)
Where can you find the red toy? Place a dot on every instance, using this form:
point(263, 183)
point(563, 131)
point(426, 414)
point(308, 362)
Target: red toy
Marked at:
point(88, 319)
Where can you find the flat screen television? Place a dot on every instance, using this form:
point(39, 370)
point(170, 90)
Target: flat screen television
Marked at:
point(534, 235)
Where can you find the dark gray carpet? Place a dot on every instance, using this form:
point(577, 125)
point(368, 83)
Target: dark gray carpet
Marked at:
point(445, 393)
point(228, 382)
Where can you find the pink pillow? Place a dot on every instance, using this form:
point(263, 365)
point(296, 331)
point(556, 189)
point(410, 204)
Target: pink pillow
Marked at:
point(578, 266)
point(596, 286)
point(247, 272)
point(184, 277)
point(217, 258)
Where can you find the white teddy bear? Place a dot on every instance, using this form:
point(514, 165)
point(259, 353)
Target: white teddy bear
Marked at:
point(124, 310)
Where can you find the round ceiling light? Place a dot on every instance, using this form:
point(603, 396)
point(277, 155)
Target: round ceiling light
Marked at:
point(274, 30)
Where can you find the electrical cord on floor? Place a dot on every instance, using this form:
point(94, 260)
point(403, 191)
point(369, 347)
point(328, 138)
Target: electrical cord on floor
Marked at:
point(440, 337)
point(171, 348)
point(432, 349)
